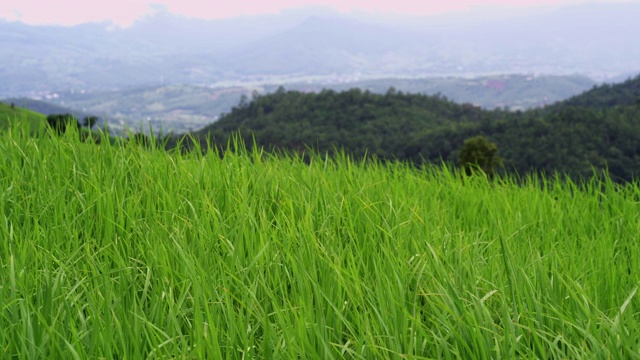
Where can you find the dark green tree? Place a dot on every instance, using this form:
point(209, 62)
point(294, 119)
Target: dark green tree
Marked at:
point(89, 121)
point(478, 153)
point(61, 122)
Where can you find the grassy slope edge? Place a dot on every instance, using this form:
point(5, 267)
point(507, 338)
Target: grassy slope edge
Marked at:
point(10, 113)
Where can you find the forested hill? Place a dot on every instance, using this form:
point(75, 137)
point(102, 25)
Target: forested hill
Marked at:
point(569, 138)
point(388, 126)
point(607, 95)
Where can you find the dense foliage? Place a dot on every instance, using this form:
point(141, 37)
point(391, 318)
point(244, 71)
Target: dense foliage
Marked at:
point(478, 154)
point(517, 92)
point(60, 123)
point(607, 95)
point(585, 134)
point(388, 126)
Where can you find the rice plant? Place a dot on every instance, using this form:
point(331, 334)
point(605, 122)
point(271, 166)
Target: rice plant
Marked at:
point(126, 252)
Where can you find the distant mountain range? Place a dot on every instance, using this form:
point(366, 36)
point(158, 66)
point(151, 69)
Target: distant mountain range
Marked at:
point(597, 40)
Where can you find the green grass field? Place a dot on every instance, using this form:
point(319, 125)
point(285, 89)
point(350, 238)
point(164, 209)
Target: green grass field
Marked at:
point(9, 114)
point(117, 252)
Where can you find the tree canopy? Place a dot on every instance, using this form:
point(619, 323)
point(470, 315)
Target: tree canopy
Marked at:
point(478, 153)
point(576, 137)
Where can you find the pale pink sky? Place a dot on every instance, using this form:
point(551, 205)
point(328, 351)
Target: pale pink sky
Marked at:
point(124, 12)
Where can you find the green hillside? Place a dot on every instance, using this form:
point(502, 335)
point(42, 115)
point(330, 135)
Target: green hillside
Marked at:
point(10, 113)
point(607, 95)
point(37, 122)
point(573, 137)
point(517, 92)
point(45, 107)
point(356, 121)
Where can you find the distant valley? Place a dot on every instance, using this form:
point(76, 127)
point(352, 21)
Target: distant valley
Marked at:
point(162, 48)
point(182, 108)
point(180, 74)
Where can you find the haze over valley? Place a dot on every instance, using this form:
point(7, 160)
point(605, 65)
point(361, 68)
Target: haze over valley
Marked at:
point(184, 72)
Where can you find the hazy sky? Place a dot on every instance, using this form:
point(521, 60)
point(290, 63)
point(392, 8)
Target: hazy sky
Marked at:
point(124, 12)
